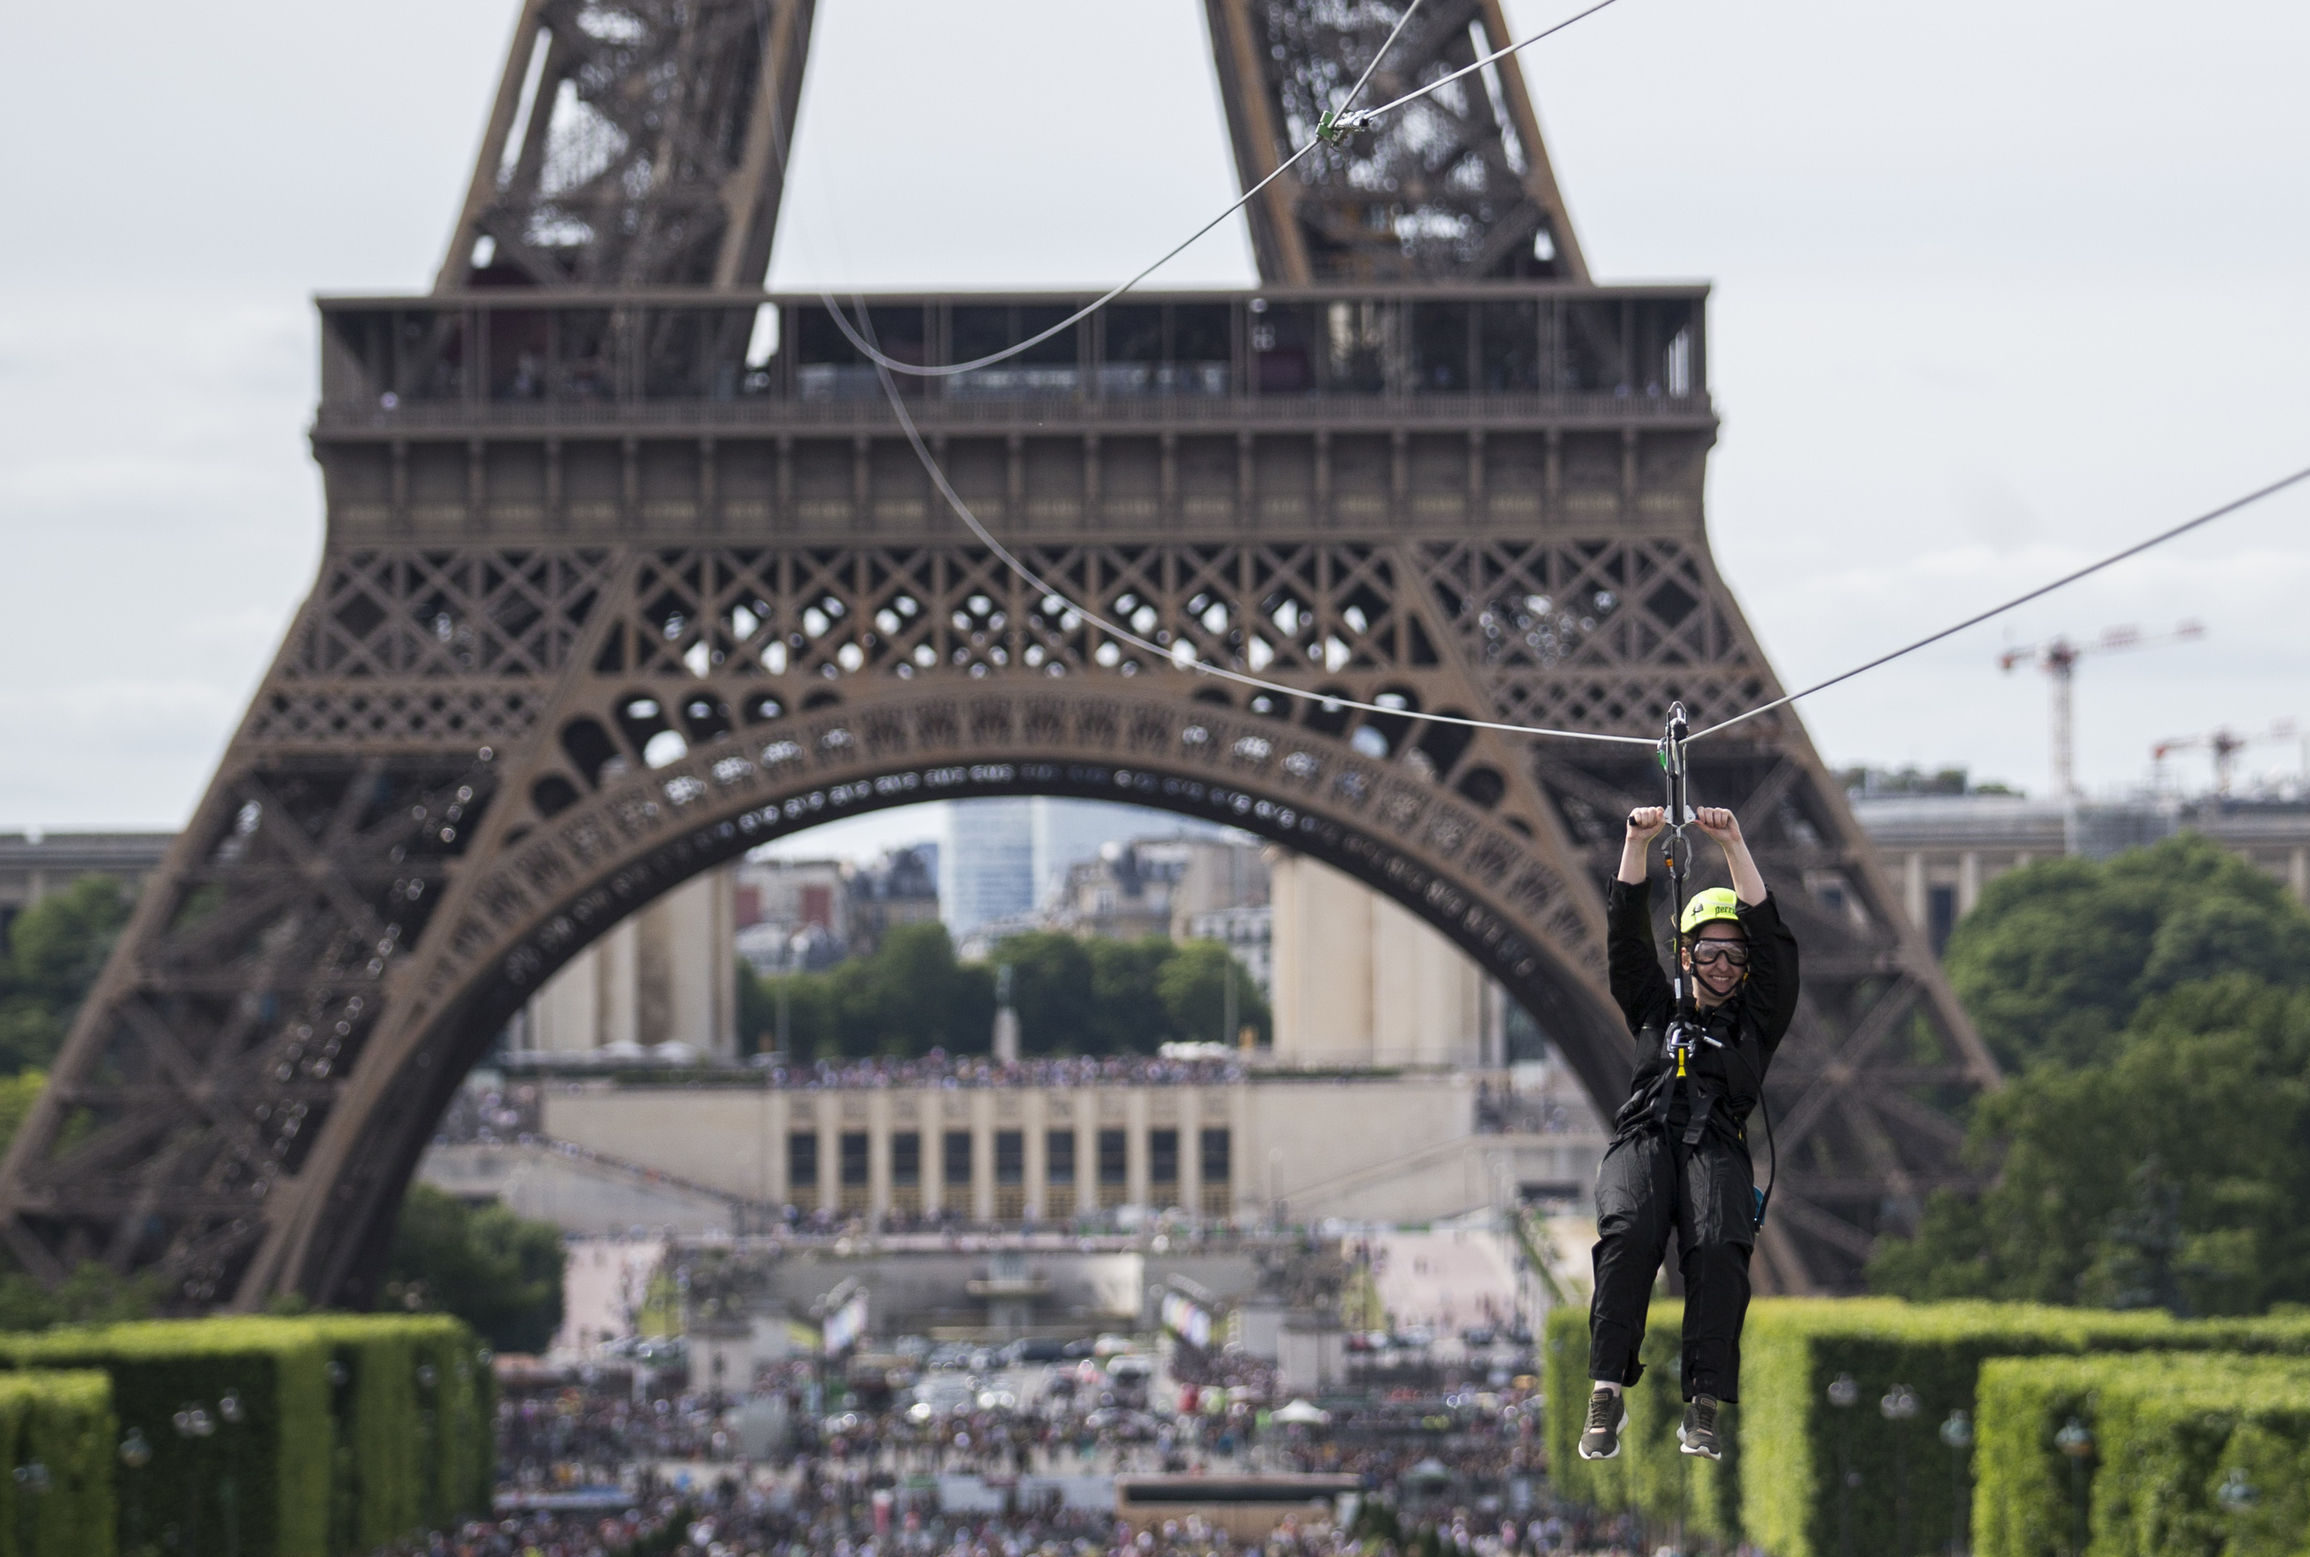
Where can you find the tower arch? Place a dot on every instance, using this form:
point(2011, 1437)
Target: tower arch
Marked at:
point(563, 885)
point(613, 565)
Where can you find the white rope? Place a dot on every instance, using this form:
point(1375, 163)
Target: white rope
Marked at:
point(1171, 653)
point(951, 369)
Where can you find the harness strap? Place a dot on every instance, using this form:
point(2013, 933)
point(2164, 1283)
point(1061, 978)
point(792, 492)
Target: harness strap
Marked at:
point(1704, 1098)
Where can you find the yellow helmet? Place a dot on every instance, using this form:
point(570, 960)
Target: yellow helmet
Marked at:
point(1709, 906)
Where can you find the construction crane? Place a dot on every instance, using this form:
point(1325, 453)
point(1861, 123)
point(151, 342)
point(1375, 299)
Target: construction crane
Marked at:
point(2058, 658)
point(2225, 744)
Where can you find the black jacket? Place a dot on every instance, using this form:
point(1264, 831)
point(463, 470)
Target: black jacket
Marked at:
point(1753, 1021)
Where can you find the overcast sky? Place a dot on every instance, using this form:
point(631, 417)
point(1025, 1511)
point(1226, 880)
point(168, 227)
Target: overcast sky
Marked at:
point(1998, 286)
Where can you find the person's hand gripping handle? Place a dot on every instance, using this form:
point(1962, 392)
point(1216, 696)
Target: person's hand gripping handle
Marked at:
point(1644, 825)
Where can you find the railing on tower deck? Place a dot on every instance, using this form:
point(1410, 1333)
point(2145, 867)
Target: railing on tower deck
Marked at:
point(519, 358)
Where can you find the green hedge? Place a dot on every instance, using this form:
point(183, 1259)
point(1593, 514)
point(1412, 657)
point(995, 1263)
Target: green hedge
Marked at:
point(1652, 1477)
point(2167, 1430)
point(315, 1466)
point(262, 1482)
point(1795, 1446)
point(413, 1441)
point(64, 1421)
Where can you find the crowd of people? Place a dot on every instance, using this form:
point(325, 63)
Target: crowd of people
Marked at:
point(729, 1518)
point(869, 1472)
point(591, 1436)
point(1503, 1111)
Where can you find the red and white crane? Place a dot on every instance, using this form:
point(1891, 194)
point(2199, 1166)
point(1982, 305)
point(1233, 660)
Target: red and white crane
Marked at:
point(2225, 744)
point(2058, 657)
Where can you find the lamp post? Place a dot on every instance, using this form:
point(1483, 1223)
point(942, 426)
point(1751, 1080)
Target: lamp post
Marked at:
point(1898, 1406)
point(31, 1484)
point(194, 1425)
point(135, 1455)
point(1684, 1465)
point(429, 1419)
point(2075, 1441)
point(1844, 1394)
point(231, 1412)
point(1957, 1433)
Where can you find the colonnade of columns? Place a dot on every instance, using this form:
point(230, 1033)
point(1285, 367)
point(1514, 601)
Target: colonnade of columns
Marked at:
point(1006, 1155)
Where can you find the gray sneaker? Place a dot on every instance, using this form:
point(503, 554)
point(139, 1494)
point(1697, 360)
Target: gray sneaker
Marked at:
point(1607, 1415)
point(1698, 1434)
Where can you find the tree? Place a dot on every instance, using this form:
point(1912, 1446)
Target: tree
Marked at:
point(1130, 1015)
point(911, 995)
point(17, 1094)
point(55, 950)
point(498, 1272)
point(1052, 989)
point(1073, 997)
point(94, 1294)
point(2155, 1147)
point(1194, 985)
point(1124, 997)
point(2056, 959)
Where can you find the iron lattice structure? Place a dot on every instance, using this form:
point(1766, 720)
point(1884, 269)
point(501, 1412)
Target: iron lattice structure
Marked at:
point(621, 581)
point(1457, 185)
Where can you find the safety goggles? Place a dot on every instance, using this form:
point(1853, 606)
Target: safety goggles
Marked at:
point(1706, 952)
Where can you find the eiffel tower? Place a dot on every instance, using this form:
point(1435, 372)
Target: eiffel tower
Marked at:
point(628, 570)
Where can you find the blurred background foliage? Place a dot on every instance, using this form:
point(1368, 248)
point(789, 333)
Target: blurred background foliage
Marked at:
point(1073, 996)
point(2152, 1148)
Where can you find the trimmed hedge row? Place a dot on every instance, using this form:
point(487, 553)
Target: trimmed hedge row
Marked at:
point(352, 1430)
point(2168, 1430)
point(264, 1480)
point(1652, 1477)
point(1779, 1485)
point(412, 1401)
point(64, 1422)
point(1796, 1446)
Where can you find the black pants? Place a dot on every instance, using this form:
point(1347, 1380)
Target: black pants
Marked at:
point(1649, 1186)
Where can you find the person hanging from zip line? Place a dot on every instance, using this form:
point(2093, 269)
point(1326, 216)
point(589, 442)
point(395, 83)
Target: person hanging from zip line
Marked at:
point(1679, 1158)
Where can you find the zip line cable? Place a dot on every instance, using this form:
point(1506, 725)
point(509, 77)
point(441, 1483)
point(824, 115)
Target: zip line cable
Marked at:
point(952, 369)
point(1339, 121)
point(1357, 121)
point(2063, 582)
point(1170, 653)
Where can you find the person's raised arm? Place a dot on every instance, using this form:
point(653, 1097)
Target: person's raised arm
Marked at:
point(1644, 825)
point(1772, 980)
point(1632, 962)
point(1725, 828)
